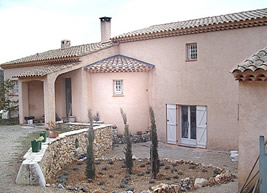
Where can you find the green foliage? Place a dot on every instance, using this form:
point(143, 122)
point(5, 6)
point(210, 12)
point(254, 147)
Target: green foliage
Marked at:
point(90, 162)
point(7, 101)
point(10, 121)
point(154, 156)
point(128, 149)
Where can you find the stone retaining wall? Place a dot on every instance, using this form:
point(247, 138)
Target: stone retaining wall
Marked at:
point(58, 152)
point(119, 138)
point(76, 125)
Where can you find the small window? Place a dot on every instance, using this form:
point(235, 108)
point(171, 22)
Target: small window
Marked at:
point(118, 87)
point(191, 51)
point(15, 87)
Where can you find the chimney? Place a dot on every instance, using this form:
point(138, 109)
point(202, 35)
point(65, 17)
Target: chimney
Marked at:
point(105, 23)
point(65, 44)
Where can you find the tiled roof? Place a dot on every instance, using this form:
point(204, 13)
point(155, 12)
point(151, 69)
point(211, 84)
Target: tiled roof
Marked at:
point(119, 63)
point(45, 70)
point(256, 63)
point(65, 53)
point(215, 23)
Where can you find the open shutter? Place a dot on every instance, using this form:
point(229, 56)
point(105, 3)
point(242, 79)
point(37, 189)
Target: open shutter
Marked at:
point(171, 124)
point(201, 126)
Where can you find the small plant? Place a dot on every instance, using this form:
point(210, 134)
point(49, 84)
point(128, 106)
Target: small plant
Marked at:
point(128, 149)
point(90, 162)
point(97, 117)
point(154, 156)
point(41, 138)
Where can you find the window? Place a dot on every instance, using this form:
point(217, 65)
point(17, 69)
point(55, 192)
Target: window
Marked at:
point(15, 87)
point(118, 87)
point(191, 51)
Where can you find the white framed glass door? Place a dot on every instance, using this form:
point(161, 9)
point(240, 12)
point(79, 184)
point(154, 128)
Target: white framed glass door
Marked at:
point(188, 125)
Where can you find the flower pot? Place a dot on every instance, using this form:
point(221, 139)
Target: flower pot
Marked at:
point(44, 134)
point(53, 134)
point(35, 146)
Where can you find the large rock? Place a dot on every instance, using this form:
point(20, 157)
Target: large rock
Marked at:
point(200, 182)
point(164, 188)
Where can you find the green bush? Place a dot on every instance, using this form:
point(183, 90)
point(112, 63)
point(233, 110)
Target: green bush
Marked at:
point(154, 156)
point(90, 162)
point(128, 149)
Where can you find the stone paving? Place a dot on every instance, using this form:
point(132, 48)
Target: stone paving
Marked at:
point(11, 153)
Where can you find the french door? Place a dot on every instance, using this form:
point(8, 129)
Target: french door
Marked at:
point(194, 126)
point(188, 125)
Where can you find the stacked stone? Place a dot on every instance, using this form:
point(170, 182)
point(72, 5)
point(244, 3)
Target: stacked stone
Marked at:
point(64, 150)
point(119, 138)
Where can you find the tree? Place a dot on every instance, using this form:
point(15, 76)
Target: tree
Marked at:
point(154, 156)
point(90, 162)
point(128, 149)
point(7, 101)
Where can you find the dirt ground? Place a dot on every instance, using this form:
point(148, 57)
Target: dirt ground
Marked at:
point(113, 176)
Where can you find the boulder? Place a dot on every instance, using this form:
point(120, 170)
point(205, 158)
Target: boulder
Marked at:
point(200, 182)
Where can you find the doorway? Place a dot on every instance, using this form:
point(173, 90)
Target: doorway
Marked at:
point(68, 97)
point(193, 126)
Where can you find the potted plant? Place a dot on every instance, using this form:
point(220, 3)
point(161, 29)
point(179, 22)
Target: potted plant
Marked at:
point(35, 146)
point(44, 134)
point(53, 134)
point(39, 141)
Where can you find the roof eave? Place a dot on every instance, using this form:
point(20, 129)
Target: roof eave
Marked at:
point(41, 62)
point(193, 30)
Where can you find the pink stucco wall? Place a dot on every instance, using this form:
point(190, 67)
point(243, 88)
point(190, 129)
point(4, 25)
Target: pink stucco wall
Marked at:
point(60, 97)
point(31, 106)
point(36, 99)
point(81, 87)
point(76, 93)
point(252, 124)
point(206, 81)
point(134, 101)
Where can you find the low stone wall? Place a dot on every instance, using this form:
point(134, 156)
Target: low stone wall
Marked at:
point(76, 125)
point(57, 152)
point(119, 138)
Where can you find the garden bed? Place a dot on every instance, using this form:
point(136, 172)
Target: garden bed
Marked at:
point(112, 176)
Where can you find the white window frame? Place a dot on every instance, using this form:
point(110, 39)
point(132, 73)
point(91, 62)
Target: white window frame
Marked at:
point(15, 87)
point(117, 87)
point(191, 51)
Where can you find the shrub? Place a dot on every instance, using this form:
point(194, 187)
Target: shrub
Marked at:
point(154, 156)
point(7, 100)
point(128, 149)
point(90, 162)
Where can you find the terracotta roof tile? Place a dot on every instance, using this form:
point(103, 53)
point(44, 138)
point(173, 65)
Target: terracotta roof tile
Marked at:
point(119, 63)
point(45, 70)
point(73, 51)
point(253, 68)
point(195, 23)
point(255, 62)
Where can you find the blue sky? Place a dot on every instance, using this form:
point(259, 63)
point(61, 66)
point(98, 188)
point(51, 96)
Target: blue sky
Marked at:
point(31, 26)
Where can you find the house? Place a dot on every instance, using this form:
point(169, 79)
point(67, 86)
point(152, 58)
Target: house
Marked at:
point(181, 69)
point(252, 78)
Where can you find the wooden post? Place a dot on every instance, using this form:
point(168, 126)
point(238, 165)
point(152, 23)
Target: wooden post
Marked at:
point(263, 166)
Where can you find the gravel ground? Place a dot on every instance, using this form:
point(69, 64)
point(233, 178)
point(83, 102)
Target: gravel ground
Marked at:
point(10, 152)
